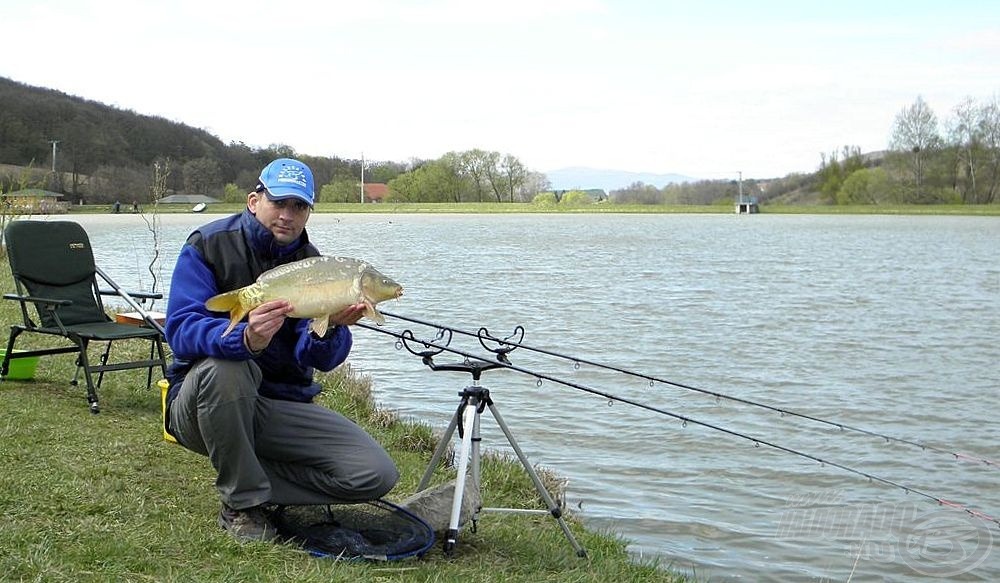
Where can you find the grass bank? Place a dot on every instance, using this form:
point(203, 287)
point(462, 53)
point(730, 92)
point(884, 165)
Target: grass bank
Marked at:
point(441, 208)
point(894, 209)
point(103, 498)
point(515, 208)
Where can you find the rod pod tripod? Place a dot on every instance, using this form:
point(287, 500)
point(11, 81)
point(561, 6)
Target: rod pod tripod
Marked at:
point(474, 400)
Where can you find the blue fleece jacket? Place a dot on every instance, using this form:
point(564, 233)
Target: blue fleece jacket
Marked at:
point(194, 333)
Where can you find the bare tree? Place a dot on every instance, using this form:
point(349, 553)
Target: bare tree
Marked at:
point(474, 166)
point(964, 138)
point(915, 135)
point(514, 172)
point(534, 183)
point(10, 209)
point(161, 171)
point(494, 175)
point(990, 135)
point(638, 193)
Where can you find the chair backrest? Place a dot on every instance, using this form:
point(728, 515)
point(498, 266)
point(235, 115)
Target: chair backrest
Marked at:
point(53, 259)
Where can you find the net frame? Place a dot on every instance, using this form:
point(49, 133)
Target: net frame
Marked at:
point(370, 531)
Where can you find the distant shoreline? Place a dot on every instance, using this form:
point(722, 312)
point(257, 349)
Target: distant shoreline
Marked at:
point(597, 208)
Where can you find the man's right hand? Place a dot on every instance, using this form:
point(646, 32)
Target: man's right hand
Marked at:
point(263, 322)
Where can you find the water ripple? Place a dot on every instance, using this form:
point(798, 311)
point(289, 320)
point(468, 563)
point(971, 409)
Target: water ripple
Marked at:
point(886, 323)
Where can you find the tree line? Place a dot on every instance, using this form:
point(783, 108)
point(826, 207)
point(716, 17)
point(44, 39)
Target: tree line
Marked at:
point(927, 162)
point(957, 162)
point(104, 154)
point(470, 176)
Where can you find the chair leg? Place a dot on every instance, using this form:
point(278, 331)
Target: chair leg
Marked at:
point(163, 359)
point(5, 367)
point(104, 361)
point(149, 371)
point(85, 364)
point(76, 374)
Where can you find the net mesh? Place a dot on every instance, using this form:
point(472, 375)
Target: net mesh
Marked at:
point(376, 530)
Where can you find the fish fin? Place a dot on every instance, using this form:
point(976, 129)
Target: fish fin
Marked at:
point(234, 320)
point(374, 314)
point(227, 302)
point(320, 324)
point(223, 302)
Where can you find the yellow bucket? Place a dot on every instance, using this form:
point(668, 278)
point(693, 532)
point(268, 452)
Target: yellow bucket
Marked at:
point(164, 386)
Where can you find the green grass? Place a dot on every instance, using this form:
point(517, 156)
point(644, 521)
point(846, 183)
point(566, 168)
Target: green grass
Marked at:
point(103, 498)
point(889, 209)
point(514, 208)
point(442, 208)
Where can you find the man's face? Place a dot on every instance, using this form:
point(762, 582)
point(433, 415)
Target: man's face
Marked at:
point(285, 218)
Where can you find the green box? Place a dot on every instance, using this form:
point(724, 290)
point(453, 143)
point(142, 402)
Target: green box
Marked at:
point(20, 369)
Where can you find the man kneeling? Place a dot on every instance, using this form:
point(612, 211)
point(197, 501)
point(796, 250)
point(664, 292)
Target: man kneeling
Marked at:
point(245, 399)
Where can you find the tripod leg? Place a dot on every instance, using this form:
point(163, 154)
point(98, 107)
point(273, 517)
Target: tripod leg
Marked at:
point(471, 415)
point(554, 509)
point(476, 469)
point(442, 446)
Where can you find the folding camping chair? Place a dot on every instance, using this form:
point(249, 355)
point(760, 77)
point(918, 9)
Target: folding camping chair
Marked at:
point(54, 270)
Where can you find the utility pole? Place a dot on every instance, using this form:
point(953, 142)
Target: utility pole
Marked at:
point(362, 178)
point(54, 142)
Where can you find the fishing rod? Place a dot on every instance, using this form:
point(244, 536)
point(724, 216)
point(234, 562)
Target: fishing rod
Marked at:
point(442, 343)
point(147, 318)
point(514, 340)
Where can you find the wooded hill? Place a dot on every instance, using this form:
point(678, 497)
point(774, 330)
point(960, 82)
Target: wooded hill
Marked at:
point(104, 153)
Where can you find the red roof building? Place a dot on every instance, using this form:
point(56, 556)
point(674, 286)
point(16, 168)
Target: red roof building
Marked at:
point(376, 192)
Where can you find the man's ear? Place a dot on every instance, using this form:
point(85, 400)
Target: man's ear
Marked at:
point(253, 198)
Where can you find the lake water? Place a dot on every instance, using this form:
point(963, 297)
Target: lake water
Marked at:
point(887, 323)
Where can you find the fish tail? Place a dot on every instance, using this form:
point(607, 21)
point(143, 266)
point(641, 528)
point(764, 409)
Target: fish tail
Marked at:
point(228, 302)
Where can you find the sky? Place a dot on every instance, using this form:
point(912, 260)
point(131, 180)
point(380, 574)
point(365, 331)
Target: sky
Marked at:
point(707, 89)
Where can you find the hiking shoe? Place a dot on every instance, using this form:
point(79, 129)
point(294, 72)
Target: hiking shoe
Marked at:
point(250, 524)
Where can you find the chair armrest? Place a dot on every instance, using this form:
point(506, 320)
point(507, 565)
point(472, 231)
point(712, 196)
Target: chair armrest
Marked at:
point(38, 300)
point(140, 295)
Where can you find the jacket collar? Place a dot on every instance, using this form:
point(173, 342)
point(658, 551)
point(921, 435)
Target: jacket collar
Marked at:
point(262, 241)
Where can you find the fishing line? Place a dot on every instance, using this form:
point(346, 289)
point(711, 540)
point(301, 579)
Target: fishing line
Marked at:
point(441, 343)
point(135, 258)
point(483, 334)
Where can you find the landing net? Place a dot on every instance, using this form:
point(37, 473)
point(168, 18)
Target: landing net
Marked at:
point(376, 531)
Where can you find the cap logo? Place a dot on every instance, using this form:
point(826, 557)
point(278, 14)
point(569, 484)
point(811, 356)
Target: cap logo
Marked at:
point(292, 174)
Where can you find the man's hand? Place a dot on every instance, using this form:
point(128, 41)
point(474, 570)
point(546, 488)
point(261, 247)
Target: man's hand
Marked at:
point(263, 323)
point(349, 316)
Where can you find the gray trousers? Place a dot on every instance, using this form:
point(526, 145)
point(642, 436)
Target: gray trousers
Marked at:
point(268, 450)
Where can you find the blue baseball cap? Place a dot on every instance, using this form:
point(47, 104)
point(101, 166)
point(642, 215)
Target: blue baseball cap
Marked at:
point(287, 178)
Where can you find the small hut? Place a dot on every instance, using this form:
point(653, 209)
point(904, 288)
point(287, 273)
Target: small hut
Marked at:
point(33, 201)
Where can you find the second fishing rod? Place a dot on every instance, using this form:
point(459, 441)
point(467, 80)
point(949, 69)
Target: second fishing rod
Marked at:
point(515, 340)
point(498, 358)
